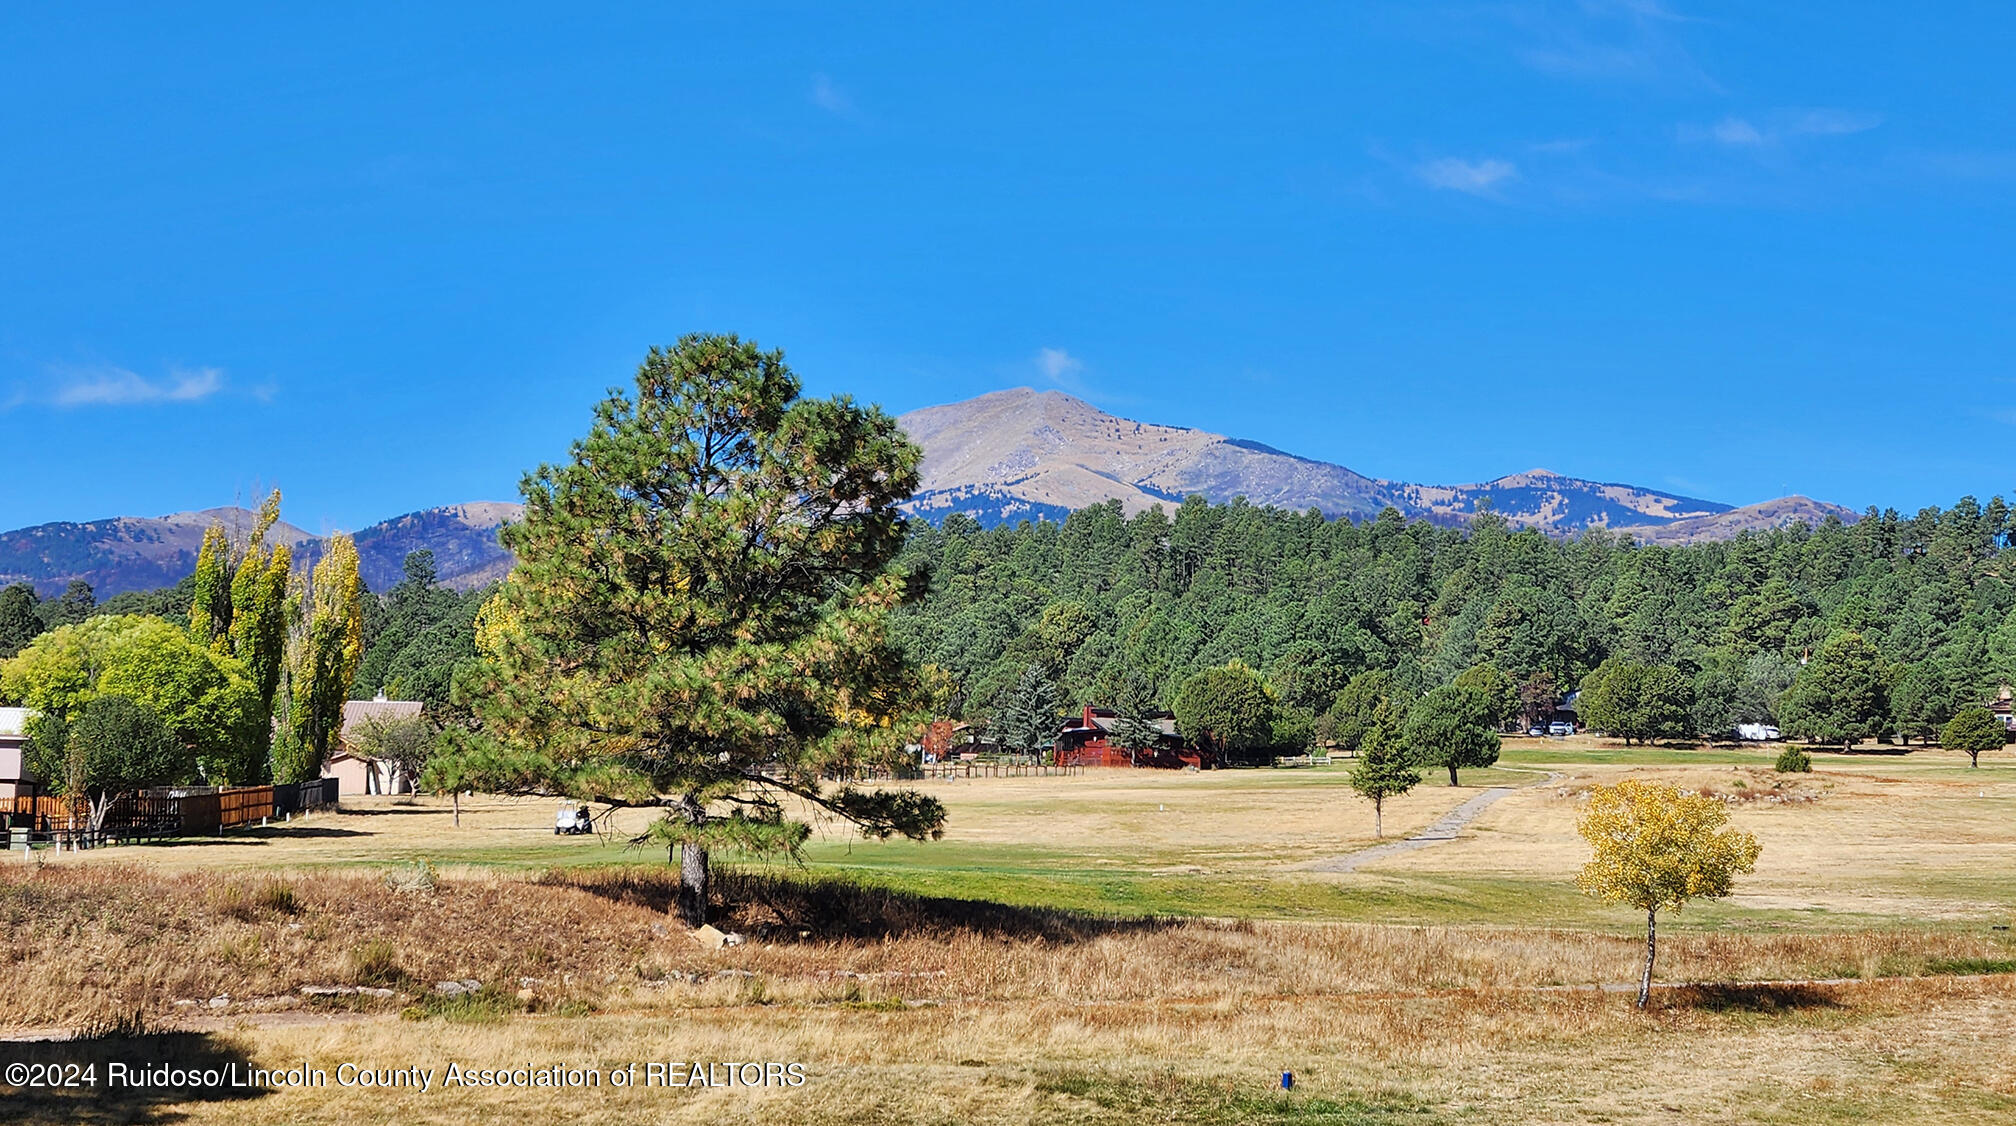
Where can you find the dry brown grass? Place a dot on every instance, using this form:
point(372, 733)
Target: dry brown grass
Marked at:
point(907, 1008)
point(1921, 1052)
point(86, 941)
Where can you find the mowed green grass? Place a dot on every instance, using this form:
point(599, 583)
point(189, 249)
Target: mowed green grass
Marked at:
point(1242, 843)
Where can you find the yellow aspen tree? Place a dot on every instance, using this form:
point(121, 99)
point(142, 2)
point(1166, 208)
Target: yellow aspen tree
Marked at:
point(1657, 847)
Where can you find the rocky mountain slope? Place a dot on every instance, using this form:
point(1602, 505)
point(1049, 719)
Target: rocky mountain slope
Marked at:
point(1016, 454)
point(140, 553)
point(1005, 456)
point(1760, 517)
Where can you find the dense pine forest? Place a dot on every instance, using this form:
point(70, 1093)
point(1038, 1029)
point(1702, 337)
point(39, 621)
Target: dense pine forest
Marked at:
point(1879, 629)
point(1882, 629)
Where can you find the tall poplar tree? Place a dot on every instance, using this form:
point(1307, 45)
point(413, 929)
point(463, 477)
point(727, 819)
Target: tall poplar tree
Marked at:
point(239, 609)
point(697, 618)
point(210, 609)
point(325, 646)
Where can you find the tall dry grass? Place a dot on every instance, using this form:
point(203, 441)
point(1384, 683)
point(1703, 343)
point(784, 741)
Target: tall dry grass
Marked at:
point(80, 943)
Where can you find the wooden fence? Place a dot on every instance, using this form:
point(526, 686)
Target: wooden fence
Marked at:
point(177, 812)
point(998, 770)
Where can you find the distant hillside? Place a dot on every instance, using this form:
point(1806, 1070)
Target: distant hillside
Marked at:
point(1019, 454)
point(140, 553)
point(1780, 513)
point(463, 538)
point(999, 458)
point(122, 553)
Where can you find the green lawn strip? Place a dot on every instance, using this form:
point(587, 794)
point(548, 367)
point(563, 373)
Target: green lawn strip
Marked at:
point(1557, 756)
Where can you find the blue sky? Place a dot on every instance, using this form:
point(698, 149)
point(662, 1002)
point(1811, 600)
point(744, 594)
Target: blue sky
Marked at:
point(387, 259)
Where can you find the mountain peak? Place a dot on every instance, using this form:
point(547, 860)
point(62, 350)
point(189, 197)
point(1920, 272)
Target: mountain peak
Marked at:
point(140, 553)
point(1021, 453)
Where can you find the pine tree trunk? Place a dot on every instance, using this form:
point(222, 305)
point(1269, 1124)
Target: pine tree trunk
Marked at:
point(1651, 952)
point(1452, 774)
point(458, 809)
point(1378, 825)
point(693, 866)
point(693, 884)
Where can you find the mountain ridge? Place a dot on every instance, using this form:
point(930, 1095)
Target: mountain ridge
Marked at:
point(1022, 453)
point(125, 553)
point(1010, 455)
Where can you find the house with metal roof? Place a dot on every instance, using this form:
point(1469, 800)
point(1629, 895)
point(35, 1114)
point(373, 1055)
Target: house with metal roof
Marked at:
point(357, 772)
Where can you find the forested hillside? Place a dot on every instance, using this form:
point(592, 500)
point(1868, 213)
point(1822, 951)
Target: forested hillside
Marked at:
point(1884, 628)
point(1910, 617)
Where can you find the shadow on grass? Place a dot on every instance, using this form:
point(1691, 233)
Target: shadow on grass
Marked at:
point(785, 907)
point(1770, 999)
point(259, 836)
point(112, 1097)
point(291, 832)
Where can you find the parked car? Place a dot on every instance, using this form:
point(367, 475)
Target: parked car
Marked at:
point(1560, 729)
point(1536, 731)
point(573, 819)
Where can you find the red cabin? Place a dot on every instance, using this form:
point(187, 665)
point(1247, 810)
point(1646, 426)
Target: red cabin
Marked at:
point(1089, 742)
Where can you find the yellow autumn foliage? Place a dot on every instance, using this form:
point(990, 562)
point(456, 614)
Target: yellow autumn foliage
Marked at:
point(1658, 846)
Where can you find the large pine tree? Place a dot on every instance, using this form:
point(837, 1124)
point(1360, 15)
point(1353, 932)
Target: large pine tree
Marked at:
point(697, 616)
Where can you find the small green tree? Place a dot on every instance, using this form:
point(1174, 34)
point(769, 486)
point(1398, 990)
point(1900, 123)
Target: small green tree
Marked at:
point(1228, 708)
point(1139, 730)
point(19, 623)
point(1974, 730)
point(117, 746)
point(403, 742)
point(452, 772)
point(1658, 847)
point(1794, 760)
point(1496, 694)
point(1637, 702)
point(1840, 696)
point(1451, 728)
point(1351, 715)
point(1028, 722)
point(1382, 770)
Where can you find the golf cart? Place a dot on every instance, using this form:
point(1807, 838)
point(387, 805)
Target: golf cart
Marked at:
point(573, 818)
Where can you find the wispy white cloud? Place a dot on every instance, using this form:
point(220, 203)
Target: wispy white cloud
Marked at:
point(106, 386)
point(1736, 131)
point(1057, 365)
point(1781, 125)
point(830, 97)
point(1474, 177)
point(1830, 122)
point(1616, 40)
